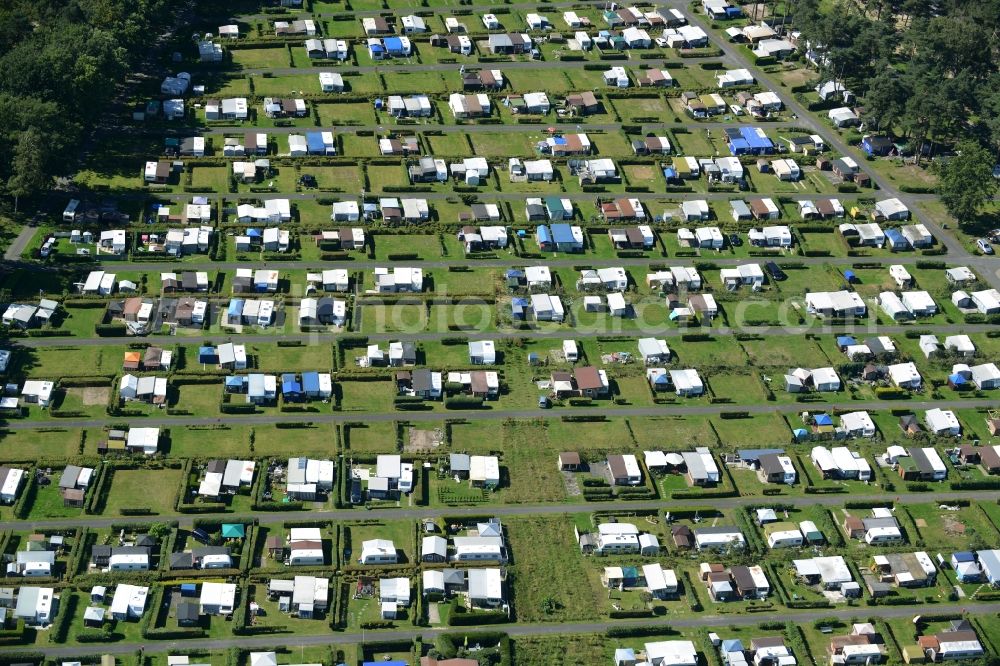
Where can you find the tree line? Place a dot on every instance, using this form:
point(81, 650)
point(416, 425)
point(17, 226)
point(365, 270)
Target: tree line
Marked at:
point(61, 64)
point(924, 70)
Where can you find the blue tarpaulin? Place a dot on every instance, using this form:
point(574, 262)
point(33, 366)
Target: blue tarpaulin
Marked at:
point(310, 382)
point(314, 142)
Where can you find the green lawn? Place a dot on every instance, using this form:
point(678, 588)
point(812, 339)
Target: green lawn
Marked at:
point(259, 58)
point(371, 437)
point(550, 579)
point(48, 502)
point(155, 489)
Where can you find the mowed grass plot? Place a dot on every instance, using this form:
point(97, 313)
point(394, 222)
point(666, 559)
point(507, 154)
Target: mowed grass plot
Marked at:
point(663, 432)
point(382, 176)
point(549, 573)
point(345, 113)
point(344, 178)
point(153, 489)
point(376, 437)
point(758, 430)
point(448, 143)
point(793, 352)
point(259, 58)
point(32, 445)
point(503, 144)
point(534, 476)
point(226, 440)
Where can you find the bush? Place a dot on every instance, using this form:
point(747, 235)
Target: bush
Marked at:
point(463, 402)
point(110, 330)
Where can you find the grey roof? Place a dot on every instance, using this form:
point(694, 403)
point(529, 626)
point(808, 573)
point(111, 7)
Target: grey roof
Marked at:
point(27, 601)
point(695, 465)
point(478, 583)
point(921, 460)
point(69, 476)
point(872, 523)
point(434, 545)
point(769, 463)
point(204, 551)
point(753, 455)
point(187, 611)
point(718, 529)
point(459, 462)
point(181, 561)
point(454, 577)
point(421, 380)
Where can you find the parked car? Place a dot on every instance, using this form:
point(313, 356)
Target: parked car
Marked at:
point(735, 240)
point(775, 271)
point(984, 246)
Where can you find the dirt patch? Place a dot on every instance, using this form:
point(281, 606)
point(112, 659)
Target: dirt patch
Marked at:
point(422, 441)
point(93, 395)
point(952, 526)
point(640, 173)
point(797, 77)
point(920, 522)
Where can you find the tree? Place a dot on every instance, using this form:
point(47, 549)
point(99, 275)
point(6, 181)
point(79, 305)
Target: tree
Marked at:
point(159, 531)
point(965, 182)
point(886, 98)
point(29, 173)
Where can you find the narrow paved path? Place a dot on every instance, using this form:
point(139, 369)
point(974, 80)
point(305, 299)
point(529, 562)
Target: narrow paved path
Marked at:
point(506, 510)
point(348, 416)
point(560, 629)
point(317, 338)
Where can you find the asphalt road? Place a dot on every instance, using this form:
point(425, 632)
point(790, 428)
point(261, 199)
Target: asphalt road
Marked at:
point(317, 338)
point(403, 65)
point(833, 139)
point(561, 629)
point(498, 414)
point(508, 510)
point(533, 6)
point(16, 247)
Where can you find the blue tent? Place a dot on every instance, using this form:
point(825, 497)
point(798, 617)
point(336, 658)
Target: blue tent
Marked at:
point(235, 307)
point(314, 143)
point(757, 141)
point(732, 645)
point(235, 383)
point(850, 276)
point(290, 387)
point(956, 380)
point(254, 233)
point(208, 355)
point(895, 239)
point(562, 234)
point(800, 433)
point(845, 341)
point(518, 307)
point(393, 44)
point(376, 49)
point(543, 235)
point(310, 383)
point(739, 147)
point(823, 419)
point(189, 589)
